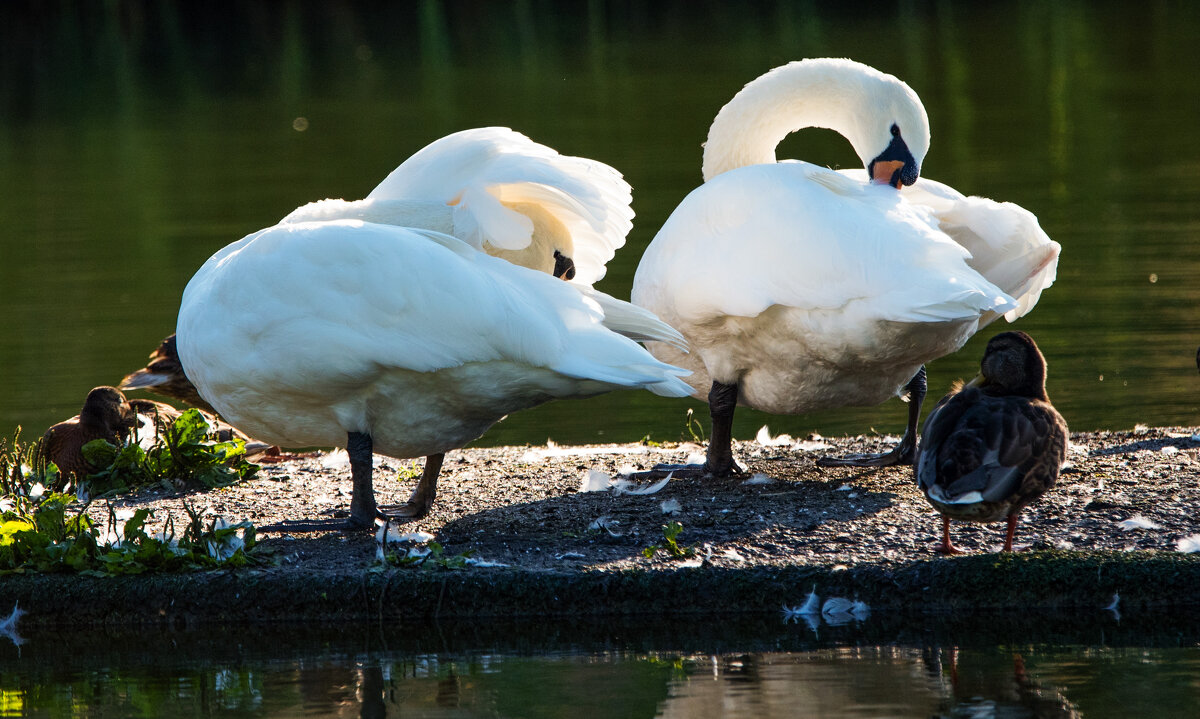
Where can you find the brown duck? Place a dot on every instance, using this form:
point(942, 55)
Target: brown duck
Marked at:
point(105, 415)
point(164, 374)
point(995, 445)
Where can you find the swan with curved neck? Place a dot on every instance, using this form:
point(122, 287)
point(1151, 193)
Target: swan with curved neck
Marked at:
point(800, 288)
point(881, 117)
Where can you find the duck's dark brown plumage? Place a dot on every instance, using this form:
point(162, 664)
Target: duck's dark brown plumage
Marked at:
point(164, 374)
point(992, 447)
point(105, 415)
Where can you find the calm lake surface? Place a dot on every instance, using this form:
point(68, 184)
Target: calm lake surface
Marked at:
point(997, 666)
point(137, 139)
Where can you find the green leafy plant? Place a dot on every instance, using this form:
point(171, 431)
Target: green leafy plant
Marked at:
point(670, 544)
point(183, 454)
point(409, 472)
point(48, 531)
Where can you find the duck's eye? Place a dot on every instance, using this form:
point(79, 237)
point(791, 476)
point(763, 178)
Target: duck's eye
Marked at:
point(564, 267)
point(895, 130)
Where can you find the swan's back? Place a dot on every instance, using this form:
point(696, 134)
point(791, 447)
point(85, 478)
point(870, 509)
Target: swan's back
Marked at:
point(302, 332)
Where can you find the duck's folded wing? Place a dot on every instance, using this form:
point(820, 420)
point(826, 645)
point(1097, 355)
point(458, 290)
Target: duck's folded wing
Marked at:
point(477, 171)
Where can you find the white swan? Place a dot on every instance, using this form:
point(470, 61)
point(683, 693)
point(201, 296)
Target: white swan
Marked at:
point(505, 194)
point(799, 288)
point(403, 341)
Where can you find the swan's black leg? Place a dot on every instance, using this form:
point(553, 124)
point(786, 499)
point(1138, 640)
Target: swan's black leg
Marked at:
point(903, 453)
point(362, 497)
point(422, 497)
point(362, 500)
point(722, 400)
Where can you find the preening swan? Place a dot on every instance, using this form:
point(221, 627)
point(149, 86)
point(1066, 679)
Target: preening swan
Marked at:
point(799, 288)
point(398, 340)
point(994, 446)
point(505, 194)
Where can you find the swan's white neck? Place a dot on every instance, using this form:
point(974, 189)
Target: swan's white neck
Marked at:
point(850, 98)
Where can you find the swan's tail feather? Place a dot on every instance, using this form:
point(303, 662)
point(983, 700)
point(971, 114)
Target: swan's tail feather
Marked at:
point(636, 323)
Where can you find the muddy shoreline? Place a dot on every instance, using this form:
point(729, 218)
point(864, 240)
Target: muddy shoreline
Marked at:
point(1113, 526)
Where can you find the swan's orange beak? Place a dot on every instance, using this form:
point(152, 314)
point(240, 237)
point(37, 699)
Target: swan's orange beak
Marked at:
point(887, 172)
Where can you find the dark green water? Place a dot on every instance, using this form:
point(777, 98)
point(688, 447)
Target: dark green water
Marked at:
point(138, 138)
point(990, 666)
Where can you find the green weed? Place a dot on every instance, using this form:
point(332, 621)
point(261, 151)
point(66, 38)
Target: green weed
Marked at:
point(670, 544)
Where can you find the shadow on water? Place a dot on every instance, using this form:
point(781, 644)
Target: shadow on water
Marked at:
point(1039, 664)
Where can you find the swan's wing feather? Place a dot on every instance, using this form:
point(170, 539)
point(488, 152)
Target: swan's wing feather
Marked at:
point(377, 298)
point(763, 230)
point(477, 170)
point(632, 321)
point(1006, 242)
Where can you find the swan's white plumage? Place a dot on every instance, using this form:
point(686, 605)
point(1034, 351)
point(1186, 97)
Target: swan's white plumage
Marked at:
point(303, 332)
point(1006, 243)
point(467, 184)
point(808, 288)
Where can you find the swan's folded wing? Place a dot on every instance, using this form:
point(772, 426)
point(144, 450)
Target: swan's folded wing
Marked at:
point(376, 298)
point(480, 171)
point(774, 235)
point(1006, 242)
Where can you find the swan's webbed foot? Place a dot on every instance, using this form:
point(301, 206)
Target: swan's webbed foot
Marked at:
point(421, 501)
point(689, 471)
point(902, 454)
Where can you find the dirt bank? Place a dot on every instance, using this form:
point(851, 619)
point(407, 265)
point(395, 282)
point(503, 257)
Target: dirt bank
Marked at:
point(756, 546)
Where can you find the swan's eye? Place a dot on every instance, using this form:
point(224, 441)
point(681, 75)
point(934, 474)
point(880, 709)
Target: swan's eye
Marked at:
point(895, 130)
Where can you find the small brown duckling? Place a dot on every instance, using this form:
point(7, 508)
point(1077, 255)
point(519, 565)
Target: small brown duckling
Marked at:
point(164, 374)
point(105, 415)
point(995, 445)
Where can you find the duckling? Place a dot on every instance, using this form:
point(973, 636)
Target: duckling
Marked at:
point(995, 445)
point(164, 375)
point(105, 415)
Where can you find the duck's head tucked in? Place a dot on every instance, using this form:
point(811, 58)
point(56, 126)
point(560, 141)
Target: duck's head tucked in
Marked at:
point(879, 114)
point(1012, 365)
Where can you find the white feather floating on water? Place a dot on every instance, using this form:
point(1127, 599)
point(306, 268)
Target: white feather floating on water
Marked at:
point(759, 478)
point(1189, 544)
point(1138, 522)
point(836, 605)
point(812, 605)
point(8, 625)
point(671, 506)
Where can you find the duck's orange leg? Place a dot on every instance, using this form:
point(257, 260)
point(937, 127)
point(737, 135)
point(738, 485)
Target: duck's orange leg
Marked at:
point(947, 547)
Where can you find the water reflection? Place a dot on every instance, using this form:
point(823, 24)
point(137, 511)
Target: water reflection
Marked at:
point(139, 138)
point(989, 666)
